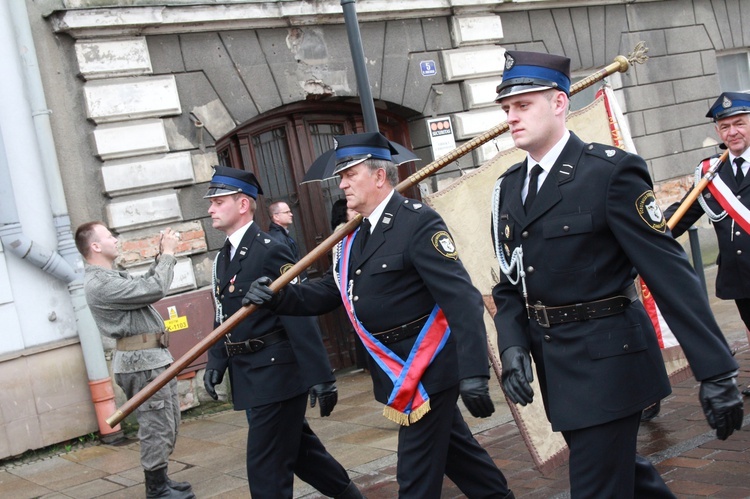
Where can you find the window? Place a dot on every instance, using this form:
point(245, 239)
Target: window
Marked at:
point(734, 72)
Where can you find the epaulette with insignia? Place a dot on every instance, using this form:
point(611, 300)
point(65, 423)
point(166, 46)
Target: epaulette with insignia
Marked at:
point(413, 205)
point(607, 152)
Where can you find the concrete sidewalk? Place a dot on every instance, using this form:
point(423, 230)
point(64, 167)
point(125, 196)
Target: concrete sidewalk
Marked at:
point(210, 451)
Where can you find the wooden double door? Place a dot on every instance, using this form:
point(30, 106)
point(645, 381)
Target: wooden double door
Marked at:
point(279, 147)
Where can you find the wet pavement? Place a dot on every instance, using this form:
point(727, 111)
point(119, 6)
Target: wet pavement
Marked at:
point(210, 451)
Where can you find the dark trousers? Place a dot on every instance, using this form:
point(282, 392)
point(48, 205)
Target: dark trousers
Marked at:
point(441, 444)
point(281, 444)
point(604, 463)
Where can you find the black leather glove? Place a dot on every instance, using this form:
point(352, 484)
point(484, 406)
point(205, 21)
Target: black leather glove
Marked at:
point(475, 392)
point(211, 378)
point(517, 375)
point(327, 395)
point(259, 293)
point(722, 404)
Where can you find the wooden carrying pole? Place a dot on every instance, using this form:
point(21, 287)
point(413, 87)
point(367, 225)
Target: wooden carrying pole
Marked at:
point(620, 64)
point(693, 195)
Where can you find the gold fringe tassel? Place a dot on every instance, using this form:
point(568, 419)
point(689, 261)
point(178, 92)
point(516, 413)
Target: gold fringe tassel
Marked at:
point(406, 419)
point(419, 412)
point(396, 416)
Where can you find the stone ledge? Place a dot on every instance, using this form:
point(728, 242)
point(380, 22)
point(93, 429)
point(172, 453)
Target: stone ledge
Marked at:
point(109, 58)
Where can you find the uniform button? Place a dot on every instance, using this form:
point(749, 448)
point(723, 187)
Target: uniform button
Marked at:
point(359, 271)
point(529, 269)
point(273, 359)
point(385, 265)
point(738, 233)
point(566, 228)
point(626, 347)
point(739, 252)
point(591, 147)
point(739, 196)
point(547, 338)
point(221, 297)
point(241, 290)
point(356, 298)
point(525, 234)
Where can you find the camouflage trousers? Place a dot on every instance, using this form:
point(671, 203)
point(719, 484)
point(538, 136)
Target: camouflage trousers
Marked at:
point(158, 417)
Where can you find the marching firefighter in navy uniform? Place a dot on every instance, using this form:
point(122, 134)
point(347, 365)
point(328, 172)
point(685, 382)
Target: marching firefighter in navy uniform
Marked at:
point(273, 361)
point(726, 202)
point(572, 224)
point(412, 303)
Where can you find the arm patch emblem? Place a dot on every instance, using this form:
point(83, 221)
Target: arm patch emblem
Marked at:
point(443, 242)
point(650, 212)
point(285, 268)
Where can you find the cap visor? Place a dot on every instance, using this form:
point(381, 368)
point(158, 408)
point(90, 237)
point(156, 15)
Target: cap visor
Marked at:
point(349, 163)
point(519, 89)
point(215, 192)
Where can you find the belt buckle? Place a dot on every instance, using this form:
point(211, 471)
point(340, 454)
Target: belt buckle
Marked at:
point(232, 349)
point(540, 313)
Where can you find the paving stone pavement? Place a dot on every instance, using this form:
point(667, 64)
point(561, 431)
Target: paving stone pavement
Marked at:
point(210, 451)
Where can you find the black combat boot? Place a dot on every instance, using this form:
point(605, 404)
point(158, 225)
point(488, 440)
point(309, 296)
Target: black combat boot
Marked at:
point(350, 492)
point(157, 486)
point(182, 486)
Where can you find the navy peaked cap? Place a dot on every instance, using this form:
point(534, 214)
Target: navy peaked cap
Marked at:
point(533, 71)
point(228, 180)
point(728, 104)
point(353, 149)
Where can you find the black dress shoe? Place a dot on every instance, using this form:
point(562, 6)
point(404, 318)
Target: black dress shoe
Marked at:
point(651, 411)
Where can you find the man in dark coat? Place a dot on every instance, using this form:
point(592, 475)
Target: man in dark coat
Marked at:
point(273, 361)
point(731, 115)
point(572, 224)
point(281, 218)
point(411, 301)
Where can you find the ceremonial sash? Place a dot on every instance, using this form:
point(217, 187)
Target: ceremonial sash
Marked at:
point(408, 401)
point(726, 198)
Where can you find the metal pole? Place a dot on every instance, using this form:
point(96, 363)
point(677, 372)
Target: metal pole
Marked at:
point(360, 69)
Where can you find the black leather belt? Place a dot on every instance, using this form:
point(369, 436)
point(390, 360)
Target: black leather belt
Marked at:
point(256, 344)
point(547, 316)
point(401, 332)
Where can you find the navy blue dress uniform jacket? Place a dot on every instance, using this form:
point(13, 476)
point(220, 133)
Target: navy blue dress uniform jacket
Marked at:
point(593, 225)
point(279, 371)
point(403, 272)
point(733, 277)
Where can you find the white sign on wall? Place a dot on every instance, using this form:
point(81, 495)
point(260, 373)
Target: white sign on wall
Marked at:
point(441, 136)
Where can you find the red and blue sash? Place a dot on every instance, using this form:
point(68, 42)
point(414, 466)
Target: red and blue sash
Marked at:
point(723, 194)
point(408, 401)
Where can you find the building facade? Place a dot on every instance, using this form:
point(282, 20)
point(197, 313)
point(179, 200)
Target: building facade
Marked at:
point(142, 97)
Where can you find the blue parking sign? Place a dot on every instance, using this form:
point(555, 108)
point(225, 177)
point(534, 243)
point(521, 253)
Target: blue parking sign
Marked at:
point(428, 68)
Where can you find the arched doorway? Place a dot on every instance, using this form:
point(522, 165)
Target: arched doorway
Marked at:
point(278, 147)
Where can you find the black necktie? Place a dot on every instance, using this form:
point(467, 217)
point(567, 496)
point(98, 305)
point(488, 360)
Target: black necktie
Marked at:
point(224, 259)
point(364, 234)
point(533, 187)
point(739, 176)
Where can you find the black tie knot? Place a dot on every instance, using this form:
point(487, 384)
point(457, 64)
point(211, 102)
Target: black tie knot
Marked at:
point(533, 187)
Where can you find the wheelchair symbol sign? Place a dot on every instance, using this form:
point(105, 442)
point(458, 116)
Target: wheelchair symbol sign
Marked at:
point(428, 68)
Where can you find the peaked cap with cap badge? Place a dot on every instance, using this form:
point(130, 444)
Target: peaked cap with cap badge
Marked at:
point(226, 181)
point(729, 104)
point(353, 149)
point(532, 72)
